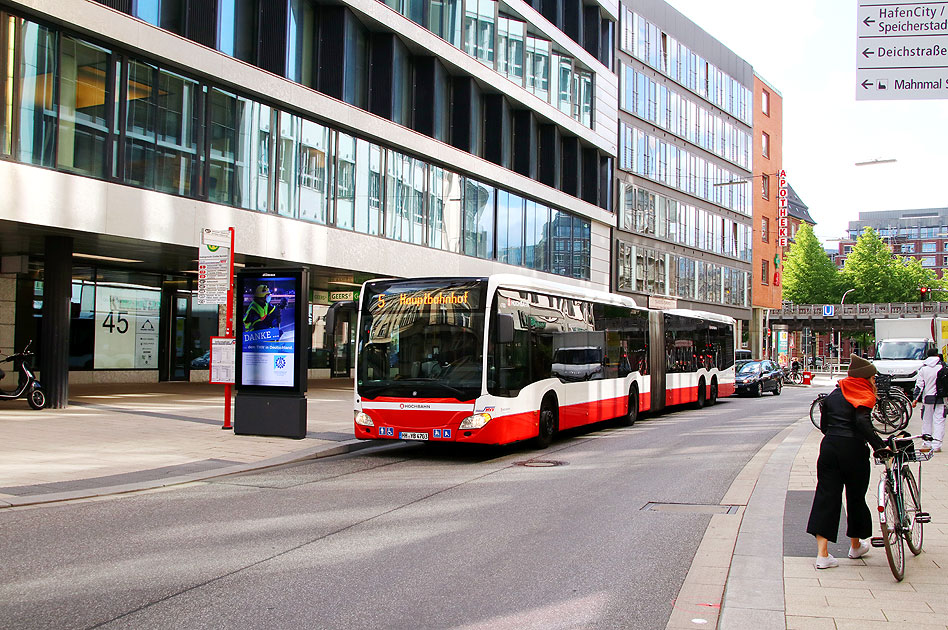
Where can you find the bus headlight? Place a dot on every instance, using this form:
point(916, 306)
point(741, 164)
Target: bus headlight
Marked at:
point(476, 421)
point(363, 419)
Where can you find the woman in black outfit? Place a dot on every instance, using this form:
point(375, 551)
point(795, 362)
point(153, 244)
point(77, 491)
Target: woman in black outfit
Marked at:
point(844, 463)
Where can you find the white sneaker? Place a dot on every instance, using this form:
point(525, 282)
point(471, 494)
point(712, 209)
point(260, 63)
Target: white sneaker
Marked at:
point(864, 547)
point(826, 563)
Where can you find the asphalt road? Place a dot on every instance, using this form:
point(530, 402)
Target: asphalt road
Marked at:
point(400, 536)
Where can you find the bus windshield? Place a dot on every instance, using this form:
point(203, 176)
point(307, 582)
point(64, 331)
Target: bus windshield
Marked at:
point(422, 338)
point(896, 350)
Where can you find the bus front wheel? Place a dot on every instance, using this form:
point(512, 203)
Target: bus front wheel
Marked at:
point(702, 395)
point(548, 424)
point(633, 409)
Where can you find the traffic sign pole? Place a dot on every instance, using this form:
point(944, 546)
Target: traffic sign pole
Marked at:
point(229, 329)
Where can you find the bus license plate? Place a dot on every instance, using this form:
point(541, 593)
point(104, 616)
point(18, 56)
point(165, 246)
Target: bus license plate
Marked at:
point(412, 436)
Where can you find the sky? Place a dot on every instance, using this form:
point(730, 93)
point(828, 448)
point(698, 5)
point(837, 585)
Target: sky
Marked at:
point(806, 49)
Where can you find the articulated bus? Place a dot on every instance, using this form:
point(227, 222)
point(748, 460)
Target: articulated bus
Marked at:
point(504, 358)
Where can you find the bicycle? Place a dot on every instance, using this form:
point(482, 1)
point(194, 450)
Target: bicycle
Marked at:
point(901, 518)
point(795, 377)
point(893, 408)
point(891, 413)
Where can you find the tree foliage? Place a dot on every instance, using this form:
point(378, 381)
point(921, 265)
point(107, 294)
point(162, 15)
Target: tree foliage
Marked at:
point(876, 275)
point(809, 276)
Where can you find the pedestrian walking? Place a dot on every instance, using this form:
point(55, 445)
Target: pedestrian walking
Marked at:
point(843, 464)
point(930, 385)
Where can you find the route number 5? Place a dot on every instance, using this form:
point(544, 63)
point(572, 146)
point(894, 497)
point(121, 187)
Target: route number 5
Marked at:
point(116, 322)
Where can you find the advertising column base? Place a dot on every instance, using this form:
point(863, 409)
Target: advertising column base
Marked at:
point(281, 415)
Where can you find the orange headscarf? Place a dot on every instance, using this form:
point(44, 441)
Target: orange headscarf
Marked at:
point(858, 391)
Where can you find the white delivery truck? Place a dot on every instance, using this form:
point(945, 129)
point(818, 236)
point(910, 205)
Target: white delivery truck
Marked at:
point(902, 344)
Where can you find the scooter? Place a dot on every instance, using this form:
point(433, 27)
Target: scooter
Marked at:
point(27, 386)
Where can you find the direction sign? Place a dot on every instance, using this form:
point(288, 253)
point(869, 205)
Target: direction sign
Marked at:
point(901, 50)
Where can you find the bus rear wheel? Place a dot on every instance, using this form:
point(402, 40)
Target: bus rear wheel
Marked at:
point(713, 396)
point(548, 424)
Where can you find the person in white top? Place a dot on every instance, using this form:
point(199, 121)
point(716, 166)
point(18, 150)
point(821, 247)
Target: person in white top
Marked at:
point(933, 407)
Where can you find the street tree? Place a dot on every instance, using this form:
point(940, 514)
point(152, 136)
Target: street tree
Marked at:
point(809, 276)
point(875, 274)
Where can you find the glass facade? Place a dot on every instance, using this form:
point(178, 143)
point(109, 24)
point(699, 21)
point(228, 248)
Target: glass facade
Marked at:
point(74, 105)
point(647, 43)
point(648, 270)
point(503, 43)
point(658, 216)
point(648, 156)
point(674, 112)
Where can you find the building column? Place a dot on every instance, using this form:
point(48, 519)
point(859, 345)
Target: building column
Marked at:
point(756, 333)
point(57, 291)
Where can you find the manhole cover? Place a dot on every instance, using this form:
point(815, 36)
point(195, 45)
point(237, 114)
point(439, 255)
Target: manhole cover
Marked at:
point(690, 508)
point(541, 463)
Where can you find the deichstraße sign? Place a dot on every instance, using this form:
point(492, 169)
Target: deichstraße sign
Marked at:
point(901, 50)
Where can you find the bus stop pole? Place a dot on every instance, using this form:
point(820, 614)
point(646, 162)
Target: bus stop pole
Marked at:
point(229, 329)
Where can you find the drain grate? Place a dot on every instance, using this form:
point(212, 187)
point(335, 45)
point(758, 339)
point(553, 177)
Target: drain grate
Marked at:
point(541, 463)
point(690, 508)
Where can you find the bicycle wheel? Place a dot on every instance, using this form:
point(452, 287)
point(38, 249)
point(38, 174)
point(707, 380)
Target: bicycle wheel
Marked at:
point(892, 535)
point(796, 378)
point(887, 416)
point(913, 505)
point(899, 396)
point(815, 408)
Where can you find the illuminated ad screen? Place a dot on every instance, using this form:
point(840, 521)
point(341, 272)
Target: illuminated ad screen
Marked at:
point(267, 329)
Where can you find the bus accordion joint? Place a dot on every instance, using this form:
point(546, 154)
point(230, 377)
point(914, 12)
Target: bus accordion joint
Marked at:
point(477, 421)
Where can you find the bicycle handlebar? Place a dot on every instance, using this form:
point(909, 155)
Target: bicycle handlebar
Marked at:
point(891, 448)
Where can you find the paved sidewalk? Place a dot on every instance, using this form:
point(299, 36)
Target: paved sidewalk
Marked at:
point(862, 593)
point(754, 569)
point(120, 438)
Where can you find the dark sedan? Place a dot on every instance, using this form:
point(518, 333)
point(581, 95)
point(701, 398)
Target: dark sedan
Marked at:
point(756, 377)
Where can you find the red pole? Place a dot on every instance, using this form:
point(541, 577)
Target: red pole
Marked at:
point(229, 327)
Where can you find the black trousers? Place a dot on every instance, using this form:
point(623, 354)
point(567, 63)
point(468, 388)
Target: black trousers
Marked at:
point(843, 464)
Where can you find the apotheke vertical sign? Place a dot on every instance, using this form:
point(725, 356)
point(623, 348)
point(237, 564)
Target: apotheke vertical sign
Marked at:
point(783, 210)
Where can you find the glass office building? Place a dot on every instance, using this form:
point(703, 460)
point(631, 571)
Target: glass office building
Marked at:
point(358, 138)
point(685, 160)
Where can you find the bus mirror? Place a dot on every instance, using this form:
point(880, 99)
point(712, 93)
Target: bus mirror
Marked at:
point(505, 328)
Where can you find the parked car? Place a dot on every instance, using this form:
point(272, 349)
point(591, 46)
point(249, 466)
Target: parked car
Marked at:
point(756, 377)
point(743, 355)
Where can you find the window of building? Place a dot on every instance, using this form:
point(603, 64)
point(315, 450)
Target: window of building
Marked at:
point(538, 67)
point(929, 246)
point(908, 248)
point(479, 20)
point(765, 186)
point(928, 261)
point(944, 261)
point(510, 48)
point(765, 229)
point(237, 28)
point(765, 144)
point(765, 271)
point(85, 103)
point(765, 102)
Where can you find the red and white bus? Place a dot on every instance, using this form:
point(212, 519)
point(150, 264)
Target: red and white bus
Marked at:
point(504, 358)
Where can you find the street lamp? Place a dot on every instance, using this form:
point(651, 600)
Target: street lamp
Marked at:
point(839, 344)
point(876, 161)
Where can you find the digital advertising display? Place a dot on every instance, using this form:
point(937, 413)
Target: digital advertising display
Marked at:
point(270, 304)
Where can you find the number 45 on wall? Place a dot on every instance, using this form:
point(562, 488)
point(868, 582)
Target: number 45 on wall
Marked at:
point(116, 321)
